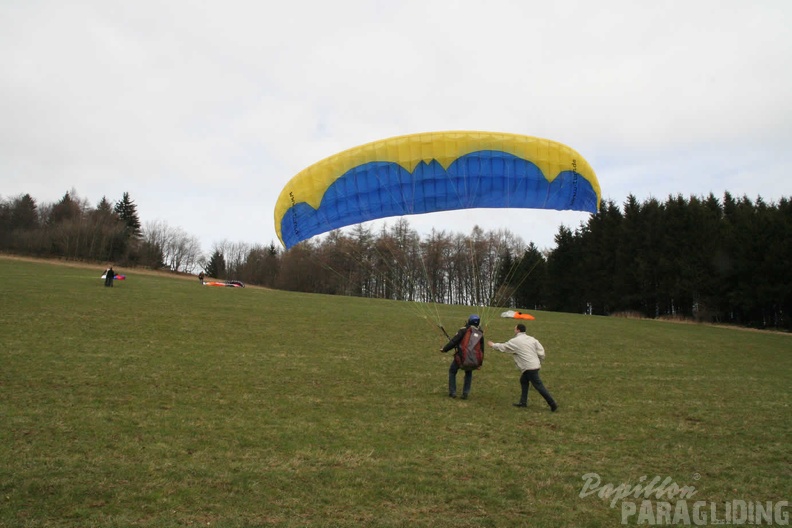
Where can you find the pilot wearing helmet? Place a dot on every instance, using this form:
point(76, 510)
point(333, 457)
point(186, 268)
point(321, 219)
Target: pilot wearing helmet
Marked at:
point(471, 328)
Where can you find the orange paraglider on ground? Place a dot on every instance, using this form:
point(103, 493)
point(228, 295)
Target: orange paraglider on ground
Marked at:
point(518, 315)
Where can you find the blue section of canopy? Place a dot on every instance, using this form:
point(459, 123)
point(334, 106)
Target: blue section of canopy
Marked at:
point(484, 179)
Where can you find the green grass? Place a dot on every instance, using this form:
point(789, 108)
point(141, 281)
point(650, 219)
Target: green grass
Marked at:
point(163, 403)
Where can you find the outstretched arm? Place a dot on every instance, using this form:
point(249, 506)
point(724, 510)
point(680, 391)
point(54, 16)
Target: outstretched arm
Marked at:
point(454, 341)
point(507, 347)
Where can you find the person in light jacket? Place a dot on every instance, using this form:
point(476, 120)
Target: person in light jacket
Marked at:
point(528, 354)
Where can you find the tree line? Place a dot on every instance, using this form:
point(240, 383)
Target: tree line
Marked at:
point(701, 258)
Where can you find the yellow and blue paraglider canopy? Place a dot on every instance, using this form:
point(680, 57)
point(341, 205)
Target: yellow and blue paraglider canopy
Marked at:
point(429, 172)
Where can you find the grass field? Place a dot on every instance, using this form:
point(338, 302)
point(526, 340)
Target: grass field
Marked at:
point(160, 402)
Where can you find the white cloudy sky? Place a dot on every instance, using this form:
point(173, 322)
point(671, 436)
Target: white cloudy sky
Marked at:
point(202, 111)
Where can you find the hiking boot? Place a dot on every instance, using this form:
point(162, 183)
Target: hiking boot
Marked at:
point(464, 396)
point(520, 404)
point(554, 407)
point(452, 395)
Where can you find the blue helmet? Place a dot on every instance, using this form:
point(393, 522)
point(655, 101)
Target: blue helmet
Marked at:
point(474, 320)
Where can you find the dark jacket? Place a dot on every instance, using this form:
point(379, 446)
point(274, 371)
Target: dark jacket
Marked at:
point(457, 339)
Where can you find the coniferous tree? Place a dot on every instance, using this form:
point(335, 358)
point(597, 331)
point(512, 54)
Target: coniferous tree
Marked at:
point(105, 230)
point(104, 207)
point(63, 211)
point(24, 213)
point(19, 222)
point(566, 272)
point(705, 217)
point(216, 267)
point(649, 255)
point(126, 209)
point(599, 245)
point(531, 279)
point(630, 282)
point(780, 257)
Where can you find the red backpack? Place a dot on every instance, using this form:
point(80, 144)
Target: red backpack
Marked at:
point(470, 355)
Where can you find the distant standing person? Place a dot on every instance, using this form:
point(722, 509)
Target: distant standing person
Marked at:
point(528, 354)
point(201, 277)
point(455, 342)
point(109, 276)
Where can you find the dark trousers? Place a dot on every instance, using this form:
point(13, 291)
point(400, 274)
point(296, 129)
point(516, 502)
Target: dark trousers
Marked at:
point(532, 377)
point(452, 372)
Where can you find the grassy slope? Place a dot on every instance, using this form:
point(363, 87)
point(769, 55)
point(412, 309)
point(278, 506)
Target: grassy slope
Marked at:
point(163, 403)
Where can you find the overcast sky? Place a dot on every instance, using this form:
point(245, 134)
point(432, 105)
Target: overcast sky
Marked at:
point(203, 111)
